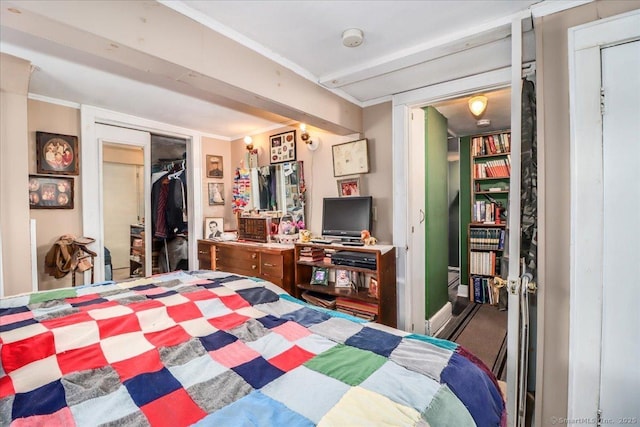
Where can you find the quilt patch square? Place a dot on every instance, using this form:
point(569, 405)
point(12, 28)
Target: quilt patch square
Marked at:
point(155, 319)
point(86, 385)
point(168, 337)
point(146, 304)
point(291, 331)
point(147, 387)
point(198, 327)
point(125, 346)
point(290, 389)
point(176, 409)
point(6, 386)
point(379, 342)
point(5, 327)
point(228, 321)
point(69, 319)
point(307, 317)
point(45, 399)
point(236, 388)
point(212, 308)
point(36, 374)
point(17, 316)
point(145, 362)
point(217, 340)
point(234, 302)
point(258, 372)
point(258, 295)
point(255, 409)
point(291, 358)
point(200, 295)
point(79, 359)
point(107, 407)
point(61, 418)
point(197, 370)
point(22, 333)
point(107, 312)
point(75, 336)
point(270, 345)
point(234, 354)
point(362, 407)
point(17, 354)
point(86, 303)
point(182, 353)
point(269, 321)
point(185, 311)
point(347, 364)
point(98, 306)
point(118, 325)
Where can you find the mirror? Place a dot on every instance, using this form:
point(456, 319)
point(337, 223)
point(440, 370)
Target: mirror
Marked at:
point(279, 188)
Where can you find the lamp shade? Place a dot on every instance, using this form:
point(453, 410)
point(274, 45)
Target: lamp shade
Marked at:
point(477, 105)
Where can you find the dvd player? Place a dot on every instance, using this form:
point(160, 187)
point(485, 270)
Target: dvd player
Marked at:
point(354, 259)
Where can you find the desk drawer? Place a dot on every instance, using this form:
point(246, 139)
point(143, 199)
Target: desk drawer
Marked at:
point(271, 265)
point(204, 255)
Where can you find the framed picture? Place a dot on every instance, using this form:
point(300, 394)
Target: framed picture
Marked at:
point(349, 187)
point(214, 167)
point(56, 154)
point(213, 227)
point(343, 279)
point(320, 276)
point(216, 193)
point(50, 192)
point(373, 288)
point(350, 158)
point(282, 147)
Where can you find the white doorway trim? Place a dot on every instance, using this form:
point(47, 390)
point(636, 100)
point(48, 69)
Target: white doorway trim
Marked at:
point(91, 158)
point(587, 201)
point(405, 214)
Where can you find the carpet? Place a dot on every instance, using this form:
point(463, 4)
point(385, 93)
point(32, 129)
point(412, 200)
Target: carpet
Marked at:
point(481, 329)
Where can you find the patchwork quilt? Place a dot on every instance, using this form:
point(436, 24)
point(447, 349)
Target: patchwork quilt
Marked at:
point(213, 349)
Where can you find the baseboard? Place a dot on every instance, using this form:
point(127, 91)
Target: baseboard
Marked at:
point(463, 291)
point(438, 320)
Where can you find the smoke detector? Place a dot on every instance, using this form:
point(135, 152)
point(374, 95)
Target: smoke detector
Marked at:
point(352, 37)
point(483, 123)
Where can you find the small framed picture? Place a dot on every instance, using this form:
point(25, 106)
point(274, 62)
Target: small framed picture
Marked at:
point(320, 276)
point(50, 192)
point(349, 187)
point(373, 288)
point(350, 158)
point(216, 193)
point(282, 147)
point(214, 167)
point(343, 279)
point(56, 154)
point(213, 227)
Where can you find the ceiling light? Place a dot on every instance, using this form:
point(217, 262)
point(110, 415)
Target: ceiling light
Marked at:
point(352, 37)
point(477, 105)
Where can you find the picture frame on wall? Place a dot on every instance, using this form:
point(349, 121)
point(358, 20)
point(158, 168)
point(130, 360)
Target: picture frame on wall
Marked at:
point(56, 154)
point(350, 158)
point(320, 276)
point(216, 193)
point(213, 227)
point(349, 187)
point(282, 147)
point(215, 168)
point(50, 192)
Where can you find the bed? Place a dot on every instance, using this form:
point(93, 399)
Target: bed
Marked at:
point(210, 348)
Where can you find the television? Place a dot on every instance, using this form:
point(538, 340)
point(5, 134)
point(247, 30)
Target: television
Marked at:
point(346, 217)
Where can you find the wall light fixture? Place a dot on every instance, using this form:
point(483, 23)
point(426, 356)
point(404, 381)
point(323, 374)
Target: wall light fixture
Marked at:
point(477, 105)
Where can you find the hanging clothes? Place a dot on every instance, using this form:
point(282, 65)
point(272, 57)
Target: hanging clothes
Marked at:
point(529, 176)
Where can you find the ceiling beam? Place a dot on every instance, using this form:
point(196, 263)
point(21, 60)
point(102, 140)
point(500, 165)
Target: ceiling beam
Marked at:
point(167, 46)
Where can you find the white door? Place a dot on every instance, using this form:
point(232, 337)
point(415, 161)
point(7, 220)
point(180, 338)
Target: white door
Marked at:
point(604, 65)
point(620, 369)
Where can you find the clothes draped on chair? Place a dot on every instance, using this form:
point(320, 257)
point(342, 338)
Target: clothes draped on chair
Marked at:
point(69, 254)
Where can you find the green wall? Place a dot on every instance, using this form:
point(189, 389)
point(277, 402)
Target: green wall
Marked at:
point(465, 206)
point(436, 212)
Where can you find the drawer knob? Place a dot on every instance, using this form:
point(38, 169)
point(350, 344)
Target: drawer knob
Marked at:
point(254, 255)
point(253, 267)
point(202, 252)
point(266, 264)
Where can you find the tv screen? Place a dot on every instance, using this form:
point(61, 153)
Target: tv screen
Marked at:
point(346, 217)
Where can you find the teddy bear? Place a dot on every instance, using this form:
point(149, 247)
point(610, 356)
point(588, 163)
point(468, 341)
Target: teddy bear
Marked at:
point(305, 236)
point(367, 238)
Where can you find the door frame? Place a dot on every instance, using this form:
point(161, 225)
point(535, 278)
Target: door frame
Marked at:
point(587, 200)
point(91, 158)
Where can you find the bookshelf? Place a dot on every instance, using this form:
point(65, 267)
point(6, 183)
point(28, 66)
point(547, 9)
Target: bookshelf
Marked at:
point(379, 307)
point(490, 181)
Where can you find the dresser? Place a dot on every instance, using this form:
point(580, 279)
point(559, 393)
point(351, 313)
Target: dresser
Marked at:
point(269, 261)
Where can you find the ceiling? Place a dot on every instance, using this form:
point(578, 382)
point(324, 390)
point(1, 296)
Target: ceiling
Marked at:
point(405, 44)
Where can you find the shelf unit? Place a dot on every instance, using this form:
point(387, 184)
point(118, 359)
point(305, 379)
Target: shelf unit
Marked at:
point(384, 273)
point(137, 251)
point(490, 181)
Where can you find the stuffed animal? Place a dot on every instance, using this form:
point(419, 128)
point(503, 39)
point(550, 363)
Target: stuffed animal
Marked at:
point(305, 236)
point(367, 238)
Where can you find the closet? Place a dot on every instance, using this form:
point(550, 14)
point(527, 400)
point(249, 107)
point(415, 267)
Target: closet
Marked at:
point(169, 201)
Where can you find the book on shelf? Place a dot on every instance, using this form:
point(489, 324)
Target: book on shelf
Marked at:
point(498, 143)
point(486, 238)
point(357, 305)
point(311, 254)
point(319, 299)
